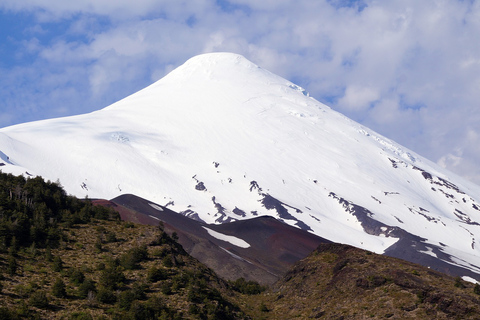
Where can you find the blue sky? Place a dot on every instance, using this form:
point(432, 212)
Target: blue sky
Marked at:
point(408, 69)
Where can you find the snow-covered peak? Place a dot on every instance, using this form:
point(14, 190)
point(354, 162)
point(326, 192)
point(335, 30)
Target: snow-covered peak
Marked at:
point(222, 66)
point(218, 64)
point(221, 139)
point(209, 76)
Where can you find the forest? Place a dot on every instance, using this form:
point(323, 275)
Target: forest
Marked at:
point(31, 211)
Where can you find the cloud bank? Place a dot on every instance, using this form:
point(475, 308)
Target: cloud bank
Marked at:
point(407, 69)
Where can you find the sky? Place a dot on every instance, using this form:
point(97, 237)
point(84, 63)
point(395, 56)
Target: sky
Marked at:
point(408, 69)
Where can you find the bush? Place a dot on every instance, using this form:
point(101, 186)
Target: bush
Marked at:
point(7, 314)
point(48, 254)
point(167, 261)
point(459, 283)
point(166, 288)
point(139, 311)
point(85, 287)
point(125, 299)
point(139, 289)
point(24, 290)
point(476, 289)
point(98, 246)
point(39, 299)
point(155, 274)
point(106, 295)
point(81, 316)
point(246, 287)
point(111, 237)
point(58, 289)
point(57, 264)
point(111, 278)
point(263, 307)
point(132, 257)
point(156, 306)
point(76, 276)
point(12, 265)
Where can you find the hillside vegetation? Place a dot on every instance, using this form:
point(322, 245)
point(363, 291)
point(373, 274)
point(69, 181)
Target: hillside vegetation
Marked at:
point(64, 258)
point(342, 282)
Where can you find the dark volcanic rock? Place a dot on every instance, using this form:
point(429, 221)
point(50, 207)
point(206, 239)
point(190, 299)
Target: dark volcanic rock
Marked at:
point(274, 245)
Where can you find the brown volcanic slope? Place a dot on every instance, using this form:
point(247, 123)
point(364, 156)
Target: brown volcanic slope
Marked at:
point(342, 282)
point(274, 245)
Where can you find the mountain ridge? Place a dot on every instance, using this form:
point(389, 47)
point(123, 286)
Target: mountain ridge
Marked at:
point(260, 249)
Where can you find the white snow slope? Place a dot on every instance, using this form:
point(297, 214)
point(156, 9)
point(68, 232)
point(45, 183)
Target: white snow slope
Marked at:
point(221, 139)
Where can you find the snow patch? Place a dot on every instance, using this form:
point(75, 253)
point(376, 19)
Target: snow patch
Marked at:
point(467, 278)
point(231, 239)
point(157, 207)
point(430, 252)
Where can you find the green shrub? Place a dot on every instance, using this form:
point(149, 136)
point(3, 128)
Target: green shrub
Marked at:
point(132, 257)
point(57, 264)
point(111, 277)
point(76, 276)
point(155, 274)
point(476, 289)
point(12, 265)
point(81, 316)
point(111, 237)
point(7, 314)
point(58, 289)
point(85, 287)
point(48, 254)
point(166, 288)
point(39, 299)
point(25, 290)
point(247, 287)
point(140, 311)
point(129, 225)
point(98, 245)
point(106, 295)
point(125, 299)
point(167, 261)
point(263, 307)
point(459, 283)
point(159, 252)
point(156, 306)
point(139, 290)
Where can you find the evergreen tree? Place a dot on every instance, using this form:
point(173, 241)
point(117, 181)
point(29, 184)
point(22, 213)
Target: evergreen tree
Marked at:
point(57, 264)
point(58, 289)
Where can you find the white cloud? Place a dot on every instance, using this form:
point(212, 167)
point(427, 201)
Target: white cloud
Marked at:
point(463, 160)
point(358, 97)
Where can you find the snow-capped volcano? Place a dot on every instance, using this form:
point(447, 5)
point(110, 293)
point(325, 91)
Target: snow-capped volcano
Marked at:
point(220, 139)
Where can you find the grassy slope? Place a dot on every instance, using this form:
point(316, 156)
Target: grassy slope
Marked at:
point(188, 289)
point(341, 282)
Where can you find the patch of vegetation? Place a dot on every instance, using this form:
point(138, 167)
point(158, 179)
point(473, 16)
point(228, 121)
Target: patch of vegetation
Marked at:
point(341, 282)
point(67, 258)
point(247, 287)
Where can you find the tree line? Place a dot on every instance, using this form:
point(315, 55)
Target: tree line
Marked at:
point(32, 210)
